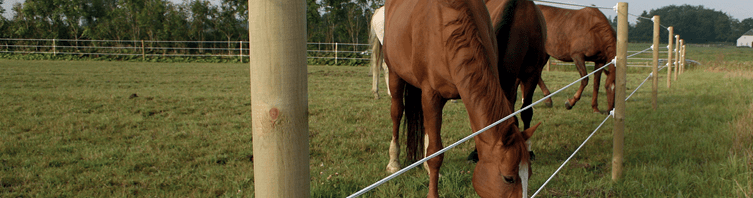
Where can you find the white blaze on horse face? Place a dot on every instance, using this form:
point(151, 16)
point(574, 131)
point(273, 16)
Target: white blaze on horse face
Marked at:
point(523, 173)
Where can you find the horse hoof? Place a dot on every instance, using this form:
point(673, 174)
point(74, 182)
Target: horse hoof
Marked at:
point(600, 112)
point(548, 104)
point(568, 106)
point(393, 169)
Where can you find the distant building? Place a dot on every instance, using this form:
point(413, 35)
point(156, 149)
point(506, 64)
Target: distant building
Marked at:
point(746, 39)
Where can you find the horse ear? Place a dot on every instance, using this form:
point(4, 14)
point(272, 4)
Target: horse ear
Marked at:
point(529, 132)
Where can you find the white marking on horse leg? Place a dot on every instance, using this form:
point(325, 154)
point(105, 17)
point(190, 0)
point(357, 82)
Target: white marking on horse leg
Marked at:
point(393, 166)
point(523, 173)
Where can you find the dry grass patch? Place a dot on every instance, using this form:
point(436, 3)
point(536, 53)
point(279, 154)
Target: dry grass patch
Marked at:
point(742, 146)
point(732, 69)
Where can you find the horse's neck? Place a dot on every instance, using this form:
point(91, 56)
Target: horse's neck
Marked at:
point(486, 103)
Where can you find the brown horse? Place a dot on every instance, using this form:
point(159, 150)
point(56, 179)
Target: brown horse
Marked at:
point(445, 49)
point(520, 30)
point(579, 36)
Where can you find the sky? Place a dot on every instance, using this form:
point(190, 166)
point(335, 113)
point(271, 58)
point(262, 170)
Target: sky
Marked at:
point(738, 9)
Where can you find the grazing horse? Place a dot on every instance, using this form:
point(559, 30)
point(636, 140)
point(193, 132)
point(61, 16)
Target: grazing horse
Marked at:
point(376, 36)
point(520, 30)
point(579, 36)
point(445, 49)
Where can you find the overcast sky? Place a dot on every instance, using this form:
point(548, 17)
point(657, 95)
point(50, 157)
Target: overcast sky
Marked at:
point(738, 9)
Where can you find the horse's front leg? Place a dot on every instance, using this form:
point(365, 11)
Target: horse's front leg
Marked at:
point(528, 87)
point(609, 85)
point(432, 105)
point(597, 82)
point(397, 85)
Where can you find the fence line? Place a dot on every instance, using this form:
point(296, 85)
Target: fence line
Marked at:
point(153, 48)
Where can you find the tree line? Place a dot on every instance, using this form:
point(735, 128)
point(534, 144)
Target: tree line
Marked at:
point(694, 24)
point(344, 21)
point(192, 20)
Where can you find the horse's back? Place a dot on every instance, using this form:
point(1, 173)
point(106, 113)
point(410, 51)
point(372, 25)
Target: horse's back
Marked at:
point(421, 40)
point(585, 31)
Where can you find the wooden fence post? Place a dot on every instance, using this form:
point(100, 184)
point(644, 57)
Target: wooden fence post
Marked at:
point(620, 82)
point(279, 98)
point(683, 59)
point(669, 57)
point(143, 53)
point(54, 48)
point(240, 54)
point(677, 55)
point(548, 64)
point(655, 65)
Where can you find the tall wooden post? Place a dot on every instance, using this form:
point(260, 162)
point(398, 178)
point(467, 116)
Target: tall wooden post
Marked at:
point(619, 91)
point(279, 100)
point(54, 48)
point(677, 55)
point(683, 58)
point(548, 64)
point(655, 65)
point(669, 57)
point(143, 53)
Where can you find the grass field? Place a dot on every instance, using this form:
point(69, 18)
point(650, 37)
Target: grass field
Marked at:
point(74, 129)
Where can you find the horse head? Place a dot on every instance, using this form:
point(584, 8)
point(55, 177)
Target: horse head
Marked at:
point(508, 174)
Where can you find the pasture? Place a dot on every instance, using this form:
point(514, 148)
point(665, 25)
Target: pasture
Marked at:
point(76, 129)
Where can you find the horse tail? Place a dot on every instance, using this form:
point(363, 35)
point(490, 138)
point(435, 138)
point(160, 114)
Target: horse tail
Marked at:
point(376, 51)
point(414, 124)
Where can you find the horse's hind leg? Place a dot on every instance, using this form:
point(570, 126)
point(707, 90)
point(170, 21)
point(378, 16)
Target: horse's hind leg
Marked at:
point(375, 80)
point(580, 64)
point(396, 111)
point(432, 105)
point(548, 101)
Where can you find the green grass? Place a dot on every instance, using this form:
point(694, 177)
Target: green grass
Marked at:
point(70, 129)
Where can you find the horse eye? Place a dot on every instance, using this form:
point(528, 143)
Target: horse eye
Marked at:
point(509, 180)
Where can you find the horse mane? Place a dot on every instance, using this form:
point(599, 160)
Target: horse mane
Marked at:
point(468, 35)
